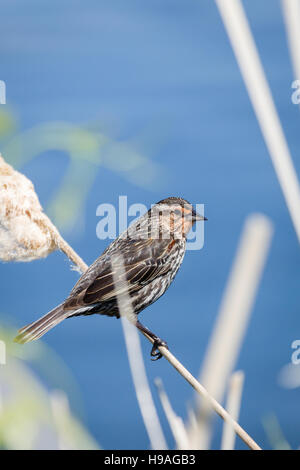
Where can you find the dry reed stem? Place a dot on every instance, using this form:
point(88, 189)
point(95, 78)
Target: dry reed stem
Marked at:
point(242, 41)
point(62, 245)
point(135, 357)
point(234, 315)
point(291, 14)
point(175, 422)
point(204, 394)
point(60, 411)
point(233, 406)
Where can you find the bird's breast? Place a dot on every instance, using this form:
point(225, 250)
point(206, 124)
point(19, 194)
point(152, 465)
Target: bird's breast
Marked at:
point(157, 287)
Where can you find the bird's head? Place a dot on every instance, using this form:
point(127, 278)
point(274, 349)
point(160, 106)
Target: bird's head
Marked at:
point(176, 216)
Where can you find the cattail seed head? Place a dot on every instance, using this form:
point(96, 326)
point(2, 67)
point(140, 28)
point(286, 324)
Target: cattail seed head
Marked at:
point(26, 233)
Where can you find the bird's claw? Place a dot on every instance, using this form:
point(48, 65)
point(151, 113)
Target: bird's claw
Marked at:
point(155, 353)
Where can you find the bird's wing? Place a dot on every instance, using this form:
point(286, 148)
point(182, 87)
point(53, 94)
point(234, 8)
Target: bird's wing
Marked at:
point(142, 264)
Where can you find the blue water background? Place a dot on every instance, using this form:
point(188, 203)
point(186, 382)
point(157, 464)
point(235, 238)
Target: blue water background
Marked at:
point(163, 74)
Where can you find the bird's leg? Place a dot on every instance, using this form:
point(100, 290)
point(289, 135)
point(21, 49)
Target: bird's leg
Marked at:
point(155, 353)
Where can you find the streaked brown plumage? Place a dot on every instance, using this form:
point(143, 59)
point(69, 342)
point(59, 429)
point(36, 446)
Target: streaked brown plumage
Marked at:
point(152, 250)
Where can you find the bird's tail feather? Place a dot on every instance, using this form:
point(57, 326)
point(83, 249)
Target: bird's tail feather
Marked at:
point(38, 328)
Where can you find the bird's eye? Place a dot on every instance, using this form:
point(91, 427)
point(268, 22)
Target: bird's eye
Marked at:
point(177, 212)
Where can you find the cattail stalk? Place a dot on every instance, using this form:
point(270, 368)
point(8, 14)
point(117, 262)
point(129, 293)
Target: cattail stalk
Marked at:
point(175, 422)
point(135, 358)
point(234, 316)
point(291, 15)
point(243, 44)
point(233, 405)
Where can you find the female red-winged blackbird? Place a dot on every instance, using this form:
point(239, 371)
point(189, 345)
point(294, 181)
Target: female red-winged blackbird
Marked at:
point(151, 249)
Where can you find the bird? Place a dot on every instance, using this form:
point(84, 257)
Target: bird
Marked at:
point(151, 251)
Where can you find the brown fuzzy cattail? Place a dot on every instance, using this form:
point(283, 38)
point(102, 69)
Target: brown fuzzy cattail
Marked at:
point(26, 233)
point(24, 228)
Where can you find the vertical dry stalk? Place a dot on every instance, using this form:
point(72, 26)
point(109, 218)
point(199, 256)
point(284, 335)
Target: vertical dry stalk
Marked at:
point(233, 318)
point(135, 357)
point(243, 45)
point(61, 244)
point(233, 405)
point(175, 422)
point(1, 403)
point(291, 14)
point(289, 376)
point(208, 398)
point(60, 410)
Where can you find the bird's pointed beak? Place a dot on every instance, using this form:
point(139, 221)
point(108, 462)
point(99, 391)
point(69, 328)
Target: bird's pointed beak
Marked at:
point(197, 217)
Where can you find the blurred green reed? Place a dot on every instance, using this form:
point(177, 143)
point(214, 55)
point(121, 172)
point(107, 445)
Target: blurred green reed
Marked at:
point(88, 149)
point(33, 416)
